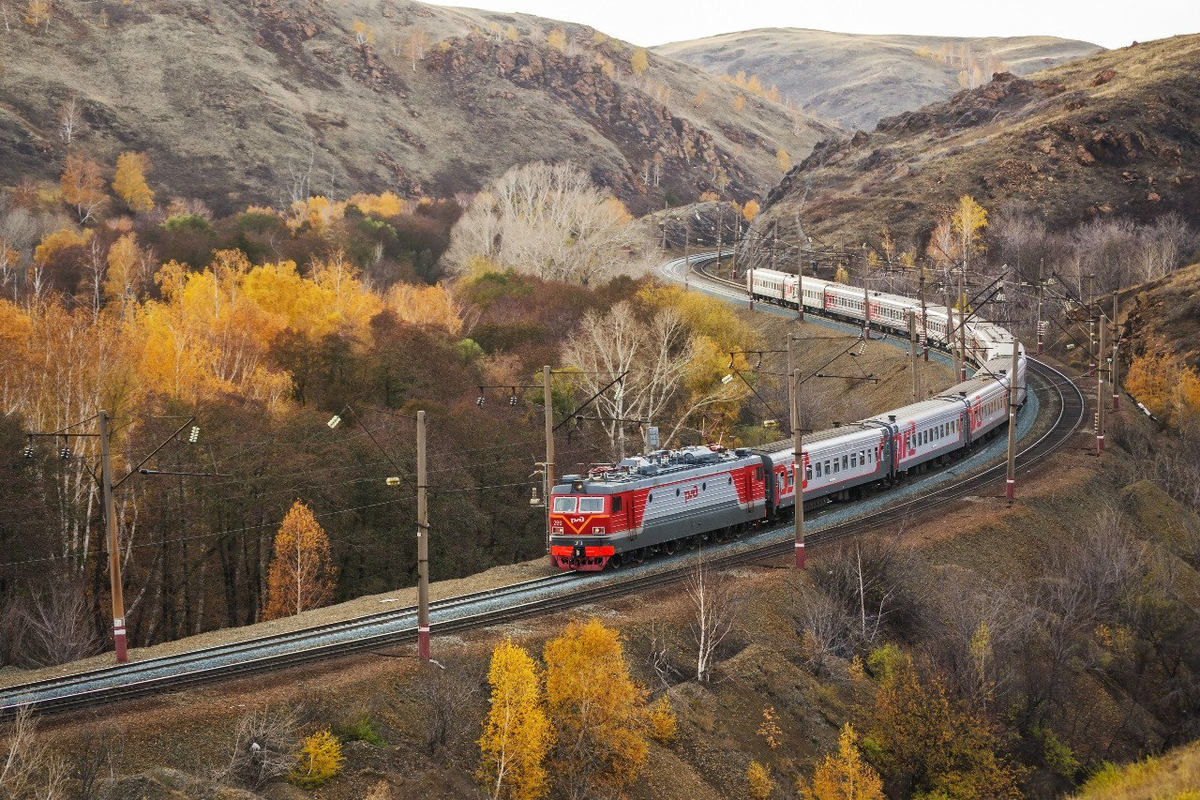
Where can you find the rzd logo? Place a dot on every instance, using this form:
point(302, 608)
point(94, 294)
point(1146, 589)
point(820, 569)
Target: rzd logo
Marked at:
point(690, 494)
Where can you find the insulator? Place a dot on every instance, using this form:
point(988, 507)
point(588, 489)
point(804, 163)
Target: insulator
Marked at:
point(64, 453)
point(512, 400)
point(28, 451)
point(194, 436)
point(479, 402)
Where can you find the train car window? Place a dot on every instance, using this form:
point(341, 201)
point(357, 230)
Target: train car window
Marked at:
point(854, 459)
point(808, 472)
point(649, 498)
point(729, 481)
point(845, 460)
point(677, 493)
point(704, 487)
point(591, 505)
point(564, 505)
point(616, 504)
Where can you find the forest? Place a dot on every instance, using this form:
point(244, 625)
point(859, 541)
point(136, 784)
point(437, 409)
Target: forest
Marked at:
point(254, 330)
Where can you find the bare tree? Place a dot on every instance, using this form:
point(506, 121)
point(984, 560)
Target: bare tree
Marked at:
point(871, 578)
point(263, 746)
point(68, 121)
point(55, 626)
point(28, 770)
point(550, 221)
point(447, 695)
point(826, 631)
point(716, 605)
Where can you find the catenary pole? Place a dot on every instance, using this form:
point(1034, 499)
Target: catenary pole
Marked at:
point(1010, 485)
point(114, 551)
point(1101, 390)
point(1116, 386)
point(548, 401)
point(962, 325)
point(422, 543)
point(912, 352)
point(798, 471)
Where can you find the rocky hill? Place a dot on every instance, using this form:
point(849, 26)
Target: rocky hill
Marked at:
point(240, 102)
point(1115, 134)
point(856, 80)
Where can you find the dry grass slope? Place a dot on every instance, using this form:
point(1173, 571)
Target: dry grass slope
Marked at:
point(855, 79)
point(1175, 775)
point(1115, 134)
point(253, 102)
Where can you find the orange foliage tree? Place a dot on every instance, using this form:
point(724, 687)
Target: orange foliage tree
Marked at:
point(598, 710)
point(82, 186)
point(301, 575)
point(130, 181)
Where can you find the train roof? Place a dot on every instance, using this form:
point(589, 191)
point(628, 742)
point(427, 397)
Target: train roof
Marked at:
point(919, 410)
point(847, 433)
point(660, 466)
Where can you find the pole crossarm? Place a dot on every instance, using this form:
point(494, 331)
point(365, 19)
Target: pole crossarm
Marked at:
point(619, 379)
point(154, 452)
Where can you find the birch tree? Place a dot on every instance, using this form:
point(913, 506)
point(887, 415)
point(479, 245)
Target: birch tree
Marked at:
point(302, 574)
point(517, 733)
point(715, 610)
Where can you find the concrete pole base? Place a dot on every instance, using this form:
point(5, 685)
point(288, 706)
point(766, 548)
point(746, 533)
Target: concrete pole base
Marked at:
point(423, 643)
point(121, 645)
point(800, 555)
point(1010, 489)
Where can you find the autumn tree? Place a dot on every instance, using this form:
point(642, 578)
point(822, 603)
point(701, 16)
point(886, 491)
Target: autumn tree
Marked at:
point(37, 12)
point(123, 276)
point(517, 733)
point(929, 744)
point(1166, 386)
point(739, 102)
point(783, 160)
point(750, 210)
point(754, 86)
point(415, 46)
point(28, 769)
point(82, 186)
point(598, 711)
point(363, 34)
point(302, 574)
point(557, 39)
point(844, 775)
point(969, 218)
point(130, 181)
point(759, 783)
point(639, 62)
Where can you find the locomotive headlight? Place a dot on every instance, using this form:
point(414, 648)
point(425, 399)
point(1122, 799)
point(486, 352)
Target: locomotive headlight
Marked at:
point(598, 529)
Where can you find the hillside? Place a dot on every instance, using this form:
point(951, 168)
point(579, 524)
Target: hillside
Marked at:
point(1115, 134)
point(856, 80)
point(266, 101)
point(1162, 317)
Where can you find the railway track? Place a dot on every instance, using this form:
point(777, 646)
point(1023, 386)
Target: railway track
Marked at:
point(1060, 402)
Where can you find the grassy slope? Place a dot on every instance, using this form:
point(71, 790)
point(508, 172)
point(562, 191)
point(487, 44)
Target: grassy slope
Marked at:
point(1075, 141)
point(1175, 775)
point(1162, 317)
point(232, 102)
point(857, 79)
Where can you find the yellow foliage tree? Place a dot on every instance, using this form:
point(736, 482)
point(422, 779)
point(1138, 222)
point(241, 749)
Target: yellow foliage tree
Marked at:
point(302, 574)
point(739, 103)
point(931, 744)
point(844, 775)
point(783, 160)
point(426, 306)
point(700, 99)
point(750, 210)
point(381, 205)
point(318, 213)
point(663, 724)
point(597, 709)
point(754, 86)
point(773, 94)
point(37, 12)
point(82, 186)
point(968, 220)
point(517, 733)
point(557, 39)
point(319, 760)
point(639, 61)
point(124, 261)
point(758, 781)
point(54, 243)
point(130, 181)
point(362, 32)
point(1163, 384)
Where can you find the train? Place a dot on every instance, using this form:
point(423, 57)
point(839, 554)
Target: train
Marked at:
point(672, 498)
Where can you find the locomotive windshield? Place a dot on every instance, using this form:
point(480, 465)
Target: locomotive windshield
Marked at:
point(564, 505)
point(591, 505)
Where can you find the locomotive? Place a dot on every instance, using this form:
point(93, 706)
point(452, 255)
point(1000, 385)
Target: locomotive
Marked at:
point(665, 499)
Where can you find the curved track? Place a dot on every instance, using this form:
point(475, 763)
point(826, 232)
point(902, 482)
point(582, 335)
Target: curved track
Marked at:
point(1060, 401)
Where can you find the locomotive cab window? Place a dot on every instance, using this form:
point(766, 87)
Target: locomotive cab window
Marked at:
point(564, 505)
point(616, 504)
point(591, 505)
point(758, 473)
